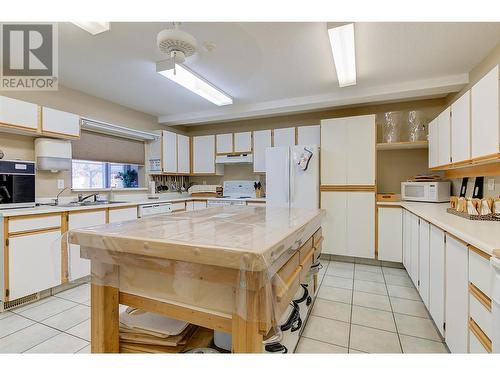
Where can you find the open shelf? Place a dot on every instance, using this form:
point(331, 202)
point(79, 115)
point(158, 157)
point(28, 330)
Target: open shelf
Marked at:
point(402, 145)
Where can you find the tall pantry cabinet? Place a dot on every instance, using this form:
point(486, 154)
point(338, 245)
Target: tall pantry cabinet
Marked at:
point(348, 185)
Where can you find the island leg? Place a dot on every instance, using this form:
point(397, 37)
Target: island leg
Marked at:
point(104, 311)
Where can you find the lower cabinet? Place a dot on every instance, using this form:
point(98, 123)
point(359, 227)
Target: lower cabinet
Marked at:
point(437, 276)
point(122, 214)
point(423, 261)
point(349, 225)
point(34, 263)
point(78, 267)
point(410, 245)
point(457, 295)
point(390, 233)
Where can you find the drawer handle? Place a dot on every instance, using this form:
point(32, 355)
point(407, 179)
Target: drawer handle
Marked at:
point(276, 348)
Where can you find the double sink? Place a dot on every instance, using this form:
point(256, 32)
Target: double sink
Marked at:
point(89, 203)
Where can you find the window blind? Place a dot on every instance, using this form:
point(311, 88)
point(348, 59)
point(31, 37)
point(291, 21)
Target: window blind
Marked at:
point(102, 147)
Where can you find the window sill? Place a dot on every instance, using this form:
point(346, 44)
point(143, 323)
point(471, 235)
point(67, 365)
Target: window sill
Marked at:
point(109, 189)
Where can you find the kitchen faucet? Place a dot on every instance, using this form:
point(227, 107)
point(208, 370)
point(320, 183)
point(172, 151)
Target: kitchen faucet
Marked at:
point(56, 200)
point(81, 198)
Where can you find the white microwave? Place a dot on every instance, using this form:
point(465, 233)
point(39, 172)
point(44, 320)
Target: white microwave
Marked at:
point(438, 191)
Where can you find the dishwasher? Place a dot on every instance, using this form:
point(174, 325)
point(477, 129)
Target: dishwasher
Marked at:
point(152, 209)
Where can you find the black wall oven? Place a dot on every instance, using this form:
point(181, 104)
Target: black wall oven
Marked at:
point(17, 184)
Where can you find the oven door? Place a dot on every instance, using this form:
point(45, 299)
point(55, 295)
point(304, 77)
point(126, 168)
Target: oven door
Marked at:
point(414, 192)
point(16, 190)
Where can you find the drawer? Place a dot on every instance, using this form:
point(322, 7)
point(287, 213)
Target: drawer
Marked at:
point(305, 249)
point(285, 272)
point(318, 248)
point(480, 272)
point(478, 342)
point(285, 284)
point(35, 223)
point(317, 237)
point(481, 315)
point(305, 265)
point(179, 206)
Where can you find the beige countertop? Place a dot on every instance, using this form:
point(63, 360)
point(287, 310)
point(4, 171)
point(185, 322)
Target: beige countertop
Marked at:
point(243, 237)
point(485, 235)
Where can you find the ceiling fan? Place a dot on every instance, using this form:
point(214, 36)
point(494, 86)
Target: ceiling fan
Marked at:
point(180, 45)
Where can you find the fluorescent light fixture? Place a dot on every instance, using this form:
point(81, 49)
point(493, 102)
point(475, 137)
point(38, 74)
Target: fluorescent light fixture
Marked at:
point(186, 78)
point(93, 27)
point(344, 55)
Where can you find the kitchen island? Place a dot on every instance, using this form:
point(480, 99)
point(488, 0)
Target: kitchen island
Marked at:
point(230, 269)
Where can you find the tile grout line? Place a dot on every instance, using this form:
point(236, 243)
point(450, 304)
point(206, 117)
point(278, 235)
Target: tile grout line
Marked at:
point(350, 316)
point(392, 312)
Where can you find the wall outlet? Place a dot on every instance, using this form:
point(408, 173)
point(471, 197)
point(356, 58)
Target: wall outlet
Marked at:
point(60, 184)
point(491, 184)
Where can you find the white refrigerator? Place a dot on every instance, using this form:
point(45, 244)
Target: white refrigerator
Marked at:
point(292, 176)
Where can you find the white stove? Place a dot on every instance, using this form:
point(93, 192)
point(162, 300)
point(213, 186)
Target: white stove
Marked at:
point(236, 193)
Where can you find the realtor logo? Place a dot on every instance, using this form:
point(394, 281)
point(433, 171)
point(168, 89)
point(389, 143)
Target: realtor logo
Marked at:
point(29, 57)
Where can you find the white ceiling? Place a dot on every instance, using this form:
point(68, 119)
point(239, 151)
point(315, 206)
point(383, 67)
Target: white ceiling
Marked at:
point(271, 68)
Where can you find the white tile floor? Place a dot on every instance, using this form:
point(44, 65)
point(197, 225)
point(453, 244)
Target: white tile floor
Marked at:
point(360, 308)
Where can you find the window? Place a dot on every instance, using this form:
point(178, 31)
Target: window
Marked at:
point(90, 175)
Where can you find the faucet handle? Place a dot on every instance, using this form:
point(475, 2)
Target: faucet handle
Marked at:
point(80, 197)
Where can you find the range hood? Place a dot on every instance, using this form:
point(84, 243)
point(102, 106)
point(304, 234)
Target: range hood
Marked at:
point(234, 159)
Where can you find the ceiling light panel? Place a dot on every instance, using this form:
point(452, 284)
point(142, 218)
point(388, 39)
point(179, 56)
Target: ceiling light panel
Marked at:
point(344, 55)
point(189, 80)
point(93, 28)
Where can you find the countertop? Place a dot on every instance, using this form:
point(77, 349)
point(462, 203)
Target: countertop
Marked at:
point(485, 235)
point(44, 209)
point(247, 237)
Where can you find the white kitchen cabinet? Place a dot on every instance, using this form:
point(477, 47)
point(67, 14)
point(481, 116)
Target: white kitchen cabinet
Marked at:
point(169, 152)
point(154, 149)
point(60, 123)
point(349, 225)
point(243, 142)
point(423, 261)
point(390, 233)
point(433, 138)
point(224, 143)
point(309, 135)
point(284, 137)
point(485, 129)
point(122, 214)
point(261, 141)
point(437, 276)
point(18, 114)
point(348, 151)
point(204, 154)
point(460, 129)
point(183, 157)
point(196, 205)
point(444, 130)
point(77, 266)
point(334, 222)
point(34, 263)
point(414, 247)
point(457, 295)
point(406, 239)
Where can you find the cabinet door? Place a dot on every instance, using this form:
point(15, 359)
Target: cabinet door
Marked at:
point(18, 113)
point(485, 133)
point(169, 152)
point(423, 269)
point(79, 267)
point(224, 143)
point(34, 263)
point(60, 122)
point(309, 135)
point(334, 151)
point(335, 222)
point(361, 150)
point(243, 142)
point(261, 141)
point(390, 234)
point(183, 165)
point(460, 129)
point(204, 154)
point(122, 214)
point(433, 143)
point(436, 276)
point(413, 271)
point(154, 154)
point(361, 224)
point(444, 130)
point(284, 137)
point(198, 205)
point(457, 295)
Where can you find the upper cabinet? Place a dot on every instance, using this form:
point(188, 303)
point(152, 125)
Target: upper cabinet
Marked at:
point(284, 137)
point(243, 142)
point(224, 143)
point(485, 134)
point(348, 151)
point(204, 154)
point(59, 123)
point(169, 152)
point(433, 143)
point(261, 140)
point(444, 131)
point(460, 129)
point(308, 135)
point(17, 114)
point(183, 159)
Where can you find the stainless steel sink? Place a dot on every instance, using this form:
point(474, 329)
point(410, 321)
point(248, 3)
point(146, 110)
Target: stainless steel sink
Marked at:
point(89, 203)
